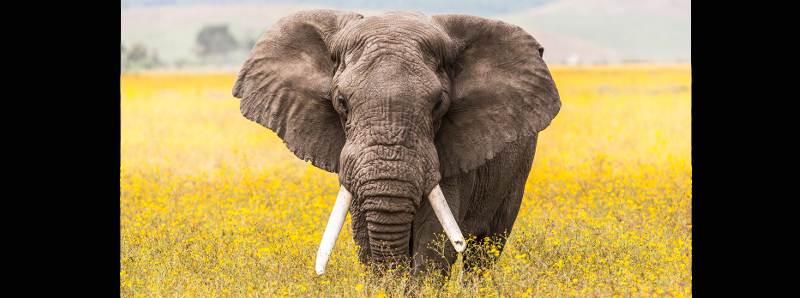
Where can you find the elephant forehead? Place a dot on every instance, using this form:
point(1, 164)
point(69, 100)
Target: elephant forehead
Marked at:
point(395, 28)
point(412, 24)
point(390, 74)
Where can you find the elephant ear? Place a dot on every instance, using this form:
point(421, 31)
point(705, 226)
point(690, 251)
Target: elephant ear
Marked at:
point(285, 82)
point(501, 91)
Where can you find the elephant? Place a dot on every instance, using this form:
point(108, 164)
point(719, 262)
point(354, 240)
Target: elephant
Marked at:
point(430, 122)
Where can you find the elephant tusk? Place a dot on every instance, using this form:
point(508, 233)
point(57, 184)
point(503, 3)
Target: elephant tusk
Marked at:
point(333, 228)
point(446, 218)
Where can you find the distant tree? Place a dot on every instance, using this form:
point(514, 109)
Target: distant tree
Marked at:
point(215, 40)
point(154, 60)
point(249, 43)
point(137, 53)
point(181, 63)
point(137, 56)
point(121, 57)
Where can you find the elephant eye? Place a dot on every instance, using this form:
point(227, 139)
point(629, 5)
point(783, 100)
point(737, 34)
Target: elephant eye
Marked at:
point(441, 106)
point(343, 103)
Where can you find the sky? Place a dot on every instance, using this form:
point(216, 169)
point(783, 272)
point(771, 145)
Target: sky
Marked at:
point(572, 31)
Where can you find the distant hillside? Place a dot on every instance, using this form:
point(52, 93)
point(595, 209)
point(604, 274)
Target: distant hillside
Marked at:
point(619, 30)
point(476, 7)
point(172, 29)
point(572, 31)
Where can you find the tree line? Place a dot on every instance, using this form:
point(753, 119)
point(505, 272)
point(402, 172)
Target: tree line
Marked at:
point(213, 44)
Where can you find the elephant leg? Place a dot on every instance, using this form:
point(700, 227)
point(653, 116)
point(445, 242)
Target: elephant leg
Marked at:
point(499, 201)
point(486, 249)
point(432, 254)
point(433, 251)
point(430, 247)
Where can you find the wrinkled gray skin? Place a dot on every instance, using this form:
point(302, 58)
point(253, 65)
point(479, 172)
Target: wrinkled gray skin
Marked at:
point(399, 102)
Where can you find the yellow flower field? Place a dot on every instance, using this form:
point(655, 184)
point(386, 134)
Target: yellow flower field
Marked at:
point(213, 204)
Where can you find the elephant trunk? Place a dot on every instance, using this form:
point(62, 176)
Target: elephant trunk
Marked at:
point(389, 243)
point(389, 211)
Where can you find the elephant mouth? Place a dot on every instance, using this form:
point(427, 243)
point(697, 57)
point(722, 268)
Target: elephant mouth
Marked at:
point(339, 213)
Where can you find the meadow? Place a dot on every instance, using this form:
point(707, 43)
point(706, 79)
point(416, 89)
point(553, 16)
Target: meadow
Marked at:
point(213, 204)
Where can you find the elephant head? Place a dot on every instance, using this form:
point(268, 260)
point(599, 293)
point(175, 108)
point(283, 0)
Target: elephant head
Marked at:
point(394, 103)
